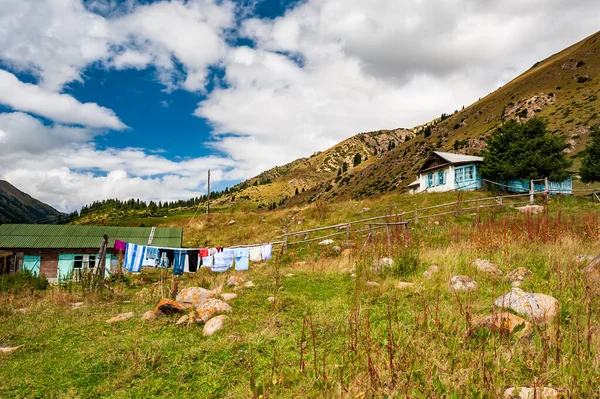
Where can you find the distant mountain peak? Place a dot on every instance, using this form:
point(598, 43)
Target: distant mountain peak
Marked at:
point(19, 207)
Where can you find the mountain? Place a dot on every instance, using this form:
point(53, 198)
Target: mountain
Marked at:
point(19, 207)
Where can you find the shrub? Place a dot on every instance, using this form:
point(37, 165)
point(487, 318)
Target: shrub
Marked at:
point(22, 280)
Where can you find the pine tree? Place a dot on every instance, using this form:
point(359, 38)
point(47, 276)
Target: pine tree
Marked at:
point(297, 191)
point(357, 159)
point(590, 165)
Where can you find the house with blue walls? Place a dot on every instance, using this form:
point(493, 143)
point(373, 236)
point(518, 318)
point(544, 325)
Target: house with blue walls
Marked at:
point(445, 171)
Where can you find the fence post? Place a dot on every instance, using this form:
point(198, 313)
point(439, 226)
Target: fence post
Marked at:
point(531, 193)
point(416, 216)
point(348, 231)
point(371, 232)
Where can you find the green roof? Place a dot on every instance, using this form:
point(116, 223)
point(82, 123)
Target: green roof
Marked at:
point(16, 236)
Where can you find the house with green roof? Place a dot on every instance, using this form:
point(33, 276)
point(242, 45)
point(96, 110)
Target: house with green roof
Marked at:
point(58, 251)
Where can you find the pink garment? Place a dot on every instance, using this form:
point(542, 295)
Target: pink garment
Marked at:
point(120, 245)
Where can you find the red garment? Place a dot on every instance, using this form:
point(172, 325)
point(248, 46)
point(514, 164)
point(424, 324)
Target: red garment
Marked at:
point(203, 252)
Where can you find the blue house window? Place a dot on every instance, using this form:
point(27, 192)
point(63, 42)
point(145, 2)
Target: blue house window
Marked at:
point(460, 175)
point(430, 180)
point(442, 177)
point(468, 172)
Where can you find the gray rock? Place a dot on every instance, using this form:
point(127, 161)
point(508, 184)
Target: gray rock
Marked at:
point(210, 308)
point(486, 266)
point(182, 320)
point(228, 297)
point(404, 285)
point(234, 281)
point(149, 315)
point(431, 270)
point(462, 283)
point(121, 317)
point(337, 248)
point(539, 308)
point(372, 284)
point(194, 296)
point(231, 222)
point(531, 393)
point(213, 325)
point(517, 276)
point(531, 209)
point(329, 241)
point(271, 299)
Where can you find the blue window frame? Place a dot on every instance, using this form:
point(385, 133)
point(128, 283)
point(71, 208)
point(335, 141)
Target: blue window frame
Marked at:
point(430, 180)
point(441, 177)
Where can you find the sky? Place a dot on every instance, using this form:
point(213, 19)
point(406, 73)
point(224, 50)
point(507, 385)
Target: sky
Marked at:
point(138, 99)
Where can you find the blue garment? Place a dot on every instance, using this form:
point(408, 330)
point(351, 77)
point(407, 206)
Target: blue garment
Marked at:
point(134, 256)
point(223, 260)
point(151, 258)
point(242, 258)
point(266, 251)
point(179, 262)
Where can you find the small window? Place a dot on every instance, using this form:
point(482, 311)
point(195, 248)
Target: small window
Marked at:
point(430, 180)
point(460, 175)
point(442, 177)
point(469, 173)
point(78, 264)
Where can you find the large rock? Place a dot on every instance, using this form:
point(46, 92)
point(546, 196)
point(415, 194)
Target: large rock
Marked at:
point(517, 276)
point(213, 325)
point(538, 307)
point(531, 393)
point(592, 272)
point(431, 270)
point(194, 296)
point(462, 283)
point(168, 307)
point(121, 317)
point(503, 321)
point(486, 266)
point(234, 281)
point(210, 308)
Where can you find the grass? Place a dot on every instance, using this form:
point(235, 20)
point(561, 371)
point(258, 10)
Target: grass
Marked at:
point(329, 333)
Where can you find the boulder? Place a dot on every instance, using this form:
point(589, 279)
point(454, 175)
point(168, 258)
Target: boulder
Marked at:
point(462, 283)
point(194, 296)
point(213, 325)
point(168, 307)
point(121, 317)
point(403, 285)
point(228, 297)
point(531, 393)
point(9, 349)
point(486, 266)
point(531, 209)
point(538, 307)
point(210, 308)
point(149, 315)
point(372, 284)
point(592, 272)
point(503, 321)
point(234, 281)
point(183, 319)
point(431, 270)
point(329, 241)
point(517, 276)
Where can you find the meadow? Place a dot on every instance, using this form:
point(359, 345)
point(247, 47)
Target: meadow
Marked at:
point(338, 324)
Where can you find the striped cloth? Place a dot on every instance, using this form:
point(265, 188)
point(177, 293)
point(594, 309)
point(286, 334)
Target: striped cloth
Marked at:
point(134, 256)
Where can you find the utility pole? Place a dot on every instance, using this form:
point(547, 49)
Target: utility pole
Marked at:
point(208, 195)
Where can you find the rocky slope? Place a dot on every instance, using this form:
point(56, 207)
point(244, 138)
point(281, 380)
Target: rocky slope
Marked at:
point(19, 207)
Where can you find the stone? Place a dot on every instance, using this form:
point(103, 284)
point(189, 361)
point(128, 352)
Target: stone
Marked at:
point(271, 299)
point(531, 209)
point(212, 307)
point(169, 307)
point(486, 266)
point(403, 285)
point(194, 296)
point(531, 393)
point(228, 297)
point(337, 248)
point(183, 319)
point(383, 263)
point(347, 252)
point(249, 284)
point(234, 281)
point(503, 321)
point(364, 210)
point(9, 349)
point(580, 259)
point(538, 307)
point(592, 272)
point(213, 325)
point(289, 275)
point(517, 276)
point(149, 315)
point(372, 284)
point(462, 283)
point(231, 222)
point(431, 270)
point(326, 242)
point(121, 317)
point(76, 305)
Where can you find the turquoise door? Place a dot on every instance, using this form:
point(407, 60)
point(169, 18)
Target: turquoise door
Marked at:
point(31, 263)
point(65, 266)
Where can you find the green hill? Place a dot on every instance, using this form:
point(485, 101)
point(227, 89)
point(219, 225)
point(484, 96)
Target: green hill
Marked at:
point(19, 207)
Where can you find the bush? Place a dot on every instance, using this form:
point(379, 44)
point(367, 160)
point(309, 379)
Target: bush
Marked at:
point(22, 280)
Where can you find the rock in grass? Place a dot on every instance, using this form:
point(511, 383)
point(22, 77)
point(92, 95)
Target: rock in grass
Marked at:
point(404, 285)
point(504, 322)
point(121, 317)
point(486, 266)
point(213, 325)
point(531, 393)
point(9, 349)
point(581, 259)
point(538, 307)
point(210, 308)
point(168, 307)
point(531, 209)
point(183, 319)
point(462, 283)
point(372, 284)
point(271, 299)
point(383, 262)
point(592, 272)
point(149, 315)
point(228, 297)
point(234, 281)
point(194, 296)
point(326, 242)
point(249, 284)
point(431, 270)
point(517, 276)
point(76, 305)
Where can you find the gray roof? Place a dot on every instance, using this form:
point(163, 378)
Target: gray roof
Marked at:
point(457, 158)
point(415, 183)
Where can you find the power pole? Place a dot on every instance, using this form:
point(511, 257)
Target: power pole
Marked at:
point(208, 196)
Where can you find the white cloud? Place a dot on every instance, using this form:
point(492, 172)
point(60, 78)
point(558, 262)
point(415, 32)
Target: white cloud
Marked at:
point(58, 107)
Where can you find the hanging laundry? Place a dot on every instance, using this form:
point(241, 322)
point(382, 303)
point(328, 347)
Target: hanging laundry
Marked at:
point(120, 245)
point(212, 251)
point(179, 263)
point(151, 257)
point(203, 252)
point(186, 263)
point(134, 256)
point(242, 258)
point(223, 261)
point(255, 254)
point(193, 259)
point(167, 256)
point(208, 261)
point(266, 251)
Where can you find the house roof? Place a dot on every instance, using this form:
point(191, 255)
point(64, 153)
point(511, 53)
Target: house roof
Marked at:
point(457, 158)
point(415, 183)
point(28, 236)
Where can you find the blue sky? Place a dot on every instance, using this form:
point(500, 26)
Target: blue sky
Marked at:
point(138, 99)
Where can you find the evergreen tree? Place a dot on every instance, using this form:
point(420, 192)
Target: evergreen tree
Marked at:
point(590, 165)
point(297, 191)
point(339, 172)
point(523, 151)
point(344, 167)
point(357, 159)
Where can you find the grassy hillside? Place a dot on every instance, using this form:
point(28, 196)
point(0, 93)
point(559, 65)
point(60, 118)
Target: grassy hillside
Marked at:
point(19, 207)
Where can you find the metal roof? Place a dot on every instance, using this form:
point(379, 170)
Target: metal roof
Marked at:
point(415, 183)
point(71, 236)
point(457, 158)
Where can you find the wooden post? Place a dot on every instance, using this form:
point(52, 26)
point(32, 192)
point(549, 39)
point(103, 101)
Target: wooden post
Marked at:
point(406, 233)
point(389, 241)
point(208, 195)
point(416, 216)
point(371, 232)
point(531, 193)
point(348, 231)
point(101, 265)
